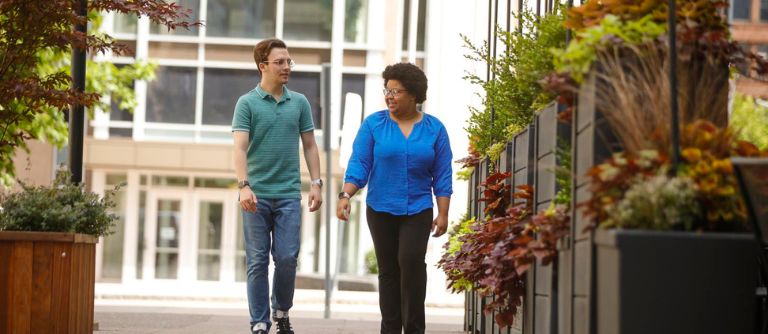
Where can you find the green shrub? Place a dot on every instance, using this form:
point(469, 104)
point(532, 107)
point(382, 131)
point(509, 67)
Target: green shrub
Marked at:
point(63, 207)
point(514, 93)
point(751, 120)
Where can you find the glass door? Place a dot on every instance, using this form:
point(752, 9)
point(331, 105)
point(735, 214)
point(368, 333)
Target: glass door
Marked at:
point(164, 235)
point(215, 226)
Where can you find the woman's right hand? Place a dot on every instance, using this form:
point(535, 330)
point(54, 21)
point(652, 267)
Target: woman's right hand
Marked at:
point(342, 209)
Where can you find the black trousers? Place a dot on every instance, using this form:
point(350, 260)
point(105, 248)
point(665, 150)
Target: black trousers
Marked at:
point(400, 243)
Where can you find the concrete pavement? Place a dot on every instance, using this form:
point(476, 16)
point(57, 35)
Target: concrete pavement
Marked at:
point(357, 313)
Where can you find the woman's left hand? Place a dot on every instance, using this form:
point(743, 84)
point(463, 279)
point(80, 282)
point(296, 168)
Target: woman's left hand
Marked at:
point(439, 226)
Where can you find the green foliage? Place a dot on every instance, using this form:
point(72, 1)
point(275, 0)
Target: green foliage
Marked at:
point(63, 207)
point(371, 265)
point(465, 173)
point(103, 78)
point(463, 227)
point(563, 174)
point(577, 58)
point(751, 120)
point(513, 93)
point(35, 48)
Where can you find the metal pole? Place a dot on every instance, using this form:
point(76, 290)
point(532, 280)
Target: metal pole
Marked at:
point(77, 114)
point(675, 140)
point(325, 105)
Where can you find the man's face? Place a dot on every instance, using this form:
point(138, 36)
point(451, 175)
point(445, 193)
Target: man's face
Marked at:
point(277, 67)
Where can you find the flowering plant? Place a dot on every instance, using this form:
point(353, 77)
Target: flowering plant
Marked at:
point(632, 191)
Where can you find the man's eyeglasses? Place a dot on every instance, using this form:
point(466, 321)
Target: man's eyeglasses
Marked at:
point(393, 92)
point(281, 62)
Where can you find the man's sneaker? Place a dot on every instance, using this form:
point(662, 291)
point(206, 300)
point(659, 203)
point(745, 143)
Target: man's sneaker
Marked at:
point(260, 328)
point(283, 326)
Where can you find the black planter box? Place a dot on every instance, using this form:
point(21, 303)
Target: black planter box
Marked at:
point(674, 282)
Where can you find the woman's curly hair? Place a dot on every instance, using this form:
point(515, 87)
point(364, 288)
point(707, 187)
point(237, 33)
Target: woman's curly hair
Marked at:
point(412, 78)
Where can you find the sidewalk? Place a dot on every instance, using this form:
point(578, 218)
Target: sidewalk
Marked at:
point(166, 310)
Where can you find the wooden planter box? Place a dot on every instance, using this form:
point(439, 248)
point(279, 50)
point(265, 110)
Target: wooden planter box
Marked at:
point(674, 282)
point(46, 282)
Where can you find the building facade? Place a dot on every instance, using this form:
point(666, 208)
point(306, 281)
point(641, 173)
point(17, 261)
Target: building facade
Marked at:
point(749, 19)
point(179, 223)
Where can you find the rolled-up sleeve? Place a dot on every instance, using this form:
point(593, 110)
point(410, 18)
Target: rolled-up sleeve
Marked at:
point(359, 166)
point(442, 171)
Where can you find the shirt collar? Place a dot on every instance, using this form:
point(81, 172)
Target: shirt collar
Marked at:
point(264, 94)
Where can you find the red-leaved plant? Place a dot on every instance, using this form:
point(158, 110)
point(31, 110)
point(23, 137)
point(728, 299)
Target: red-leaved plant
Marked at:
point(498, 251)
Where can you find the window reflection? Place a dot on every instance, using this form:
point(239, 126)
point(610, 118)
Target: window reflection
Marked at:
point(171, 97)
point(194, 6)
point(241, 18)
point(356, 17)
point(308, 20)
point(222, 88)
point(741, 9)
point(209, 241)
point(309, 85)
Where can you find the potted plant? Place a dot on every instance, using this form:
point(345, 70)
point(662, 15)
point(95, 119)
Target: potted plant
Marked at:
point(47, 243)
point(666, 251)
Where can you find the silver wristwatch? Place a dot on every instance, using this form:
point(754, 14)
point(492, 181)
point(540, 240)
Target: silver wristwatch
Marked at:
point(317, 182)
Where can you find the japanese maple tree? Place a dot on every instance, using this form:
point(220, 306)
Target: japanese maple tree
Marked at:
point(32, 29)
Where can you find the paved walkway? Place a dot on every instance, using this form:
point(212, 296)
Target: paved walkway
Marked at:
point(207, 317)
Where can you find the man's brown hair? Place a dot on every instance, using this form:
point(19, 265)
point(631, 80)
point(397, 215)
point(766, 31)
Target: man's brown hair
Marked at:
point(262, 49)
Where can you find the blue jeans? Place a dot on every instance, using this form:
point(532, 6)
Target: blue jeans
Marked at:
point(275, 227)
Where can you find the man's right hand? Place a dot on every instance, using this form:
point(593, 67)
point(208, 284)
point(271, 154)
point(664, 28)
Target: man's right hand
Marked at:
point(248, 199)
point(342, 209)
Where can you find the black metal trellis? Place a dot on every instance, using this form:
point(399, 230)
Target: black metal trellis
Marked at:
point(675, 139)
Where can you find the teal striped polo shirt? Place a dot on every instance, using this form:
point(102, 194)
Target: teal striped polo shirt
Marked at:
point(274, 129)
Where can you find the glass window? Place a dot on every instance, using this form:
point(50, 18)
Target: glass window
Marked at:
point(241, 18)
point(125, 23)
point(420, 24)
point(194, 6)
point(356, 21)
point(741, 9)
point(309, 85)
point(351, 83)
point(116, 113)
point(209, 240)
point(112, 255)
point(171, 97)
point(140, 239)
point(212, 182)
point(170, 181)
point(167, 243)
point(763, 10)
point(308, 20)
point(221, 89)
point(121, 132)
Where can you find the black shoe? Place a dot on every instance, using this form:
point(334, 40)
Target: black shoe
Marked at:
point(283, 326)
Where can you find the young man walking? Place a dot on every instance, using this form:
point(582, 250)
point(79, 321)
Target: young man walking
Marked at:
point(267, 124)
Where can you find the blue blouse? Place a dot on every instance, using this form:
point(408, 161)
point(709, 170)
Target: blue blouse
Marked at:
point(401, 173)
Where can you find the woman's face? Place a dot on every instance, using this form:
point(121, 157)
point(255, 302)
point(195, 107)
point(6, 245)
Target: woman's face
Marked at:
point(399, 101)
